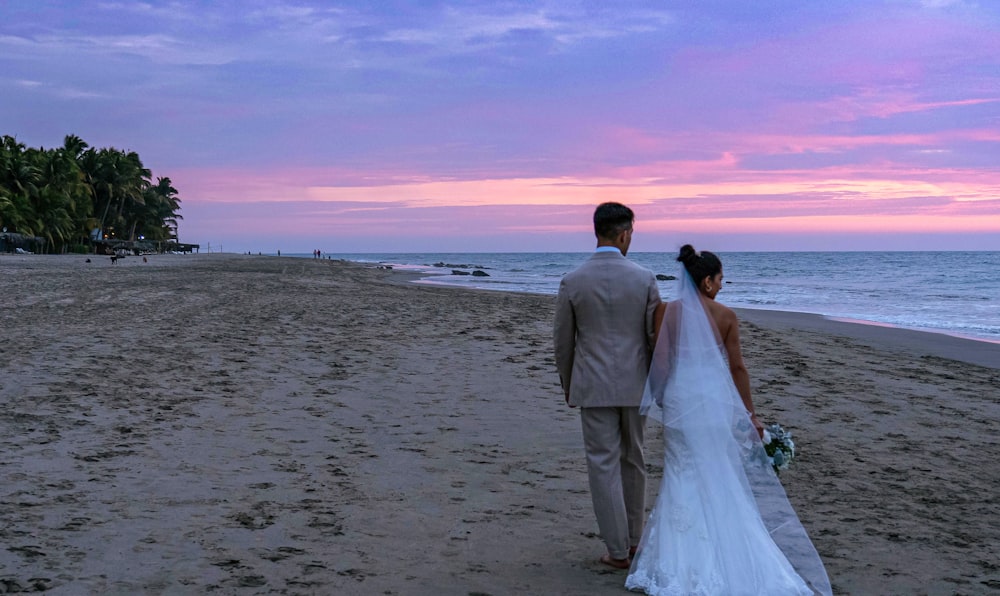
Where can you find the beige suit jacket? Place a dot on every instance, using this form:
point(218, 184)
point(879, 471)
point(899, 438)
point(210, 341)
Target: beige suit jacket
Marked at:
point(603, 331)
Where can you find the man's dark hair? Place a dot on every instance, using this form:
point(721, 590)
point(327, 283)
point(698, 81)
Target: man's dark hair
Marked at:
point(611, 219)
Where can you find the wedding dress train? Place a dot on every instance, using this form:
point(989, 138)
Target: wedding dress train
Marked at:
point(721, 523)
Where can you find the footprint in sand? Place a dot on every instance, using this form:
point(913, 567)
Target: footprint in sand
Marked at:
point(279, 554)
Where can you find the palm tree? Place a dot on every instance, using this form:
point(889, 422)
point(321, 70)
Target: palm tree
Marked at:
point(63, 200)
point(64, 193)
point(74, 146)
point(19, 178)
point(132, 200)
point(6, 193)
point(118, 180)
point(158, 218)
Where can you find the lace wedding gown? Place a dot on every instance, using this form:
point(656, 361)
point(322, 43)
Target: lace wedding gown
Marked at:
point(721, 523)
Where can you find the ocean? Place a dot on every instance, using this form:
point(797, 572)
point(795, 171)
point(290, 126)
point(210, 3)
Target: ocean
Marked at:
point(945, 292)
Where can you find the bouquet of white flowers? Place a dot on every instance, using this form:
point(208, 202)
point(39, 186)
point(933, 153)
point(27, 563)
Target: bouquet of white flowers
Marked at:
point(779, 446)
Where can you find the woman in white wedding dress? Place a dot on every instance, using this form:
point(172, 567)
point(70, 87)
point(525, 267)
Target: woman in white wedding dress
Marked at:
point(721, 523)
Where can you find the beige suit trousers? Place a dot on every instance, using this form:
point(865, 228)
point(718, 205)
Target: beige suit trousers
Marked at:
point(612, 438)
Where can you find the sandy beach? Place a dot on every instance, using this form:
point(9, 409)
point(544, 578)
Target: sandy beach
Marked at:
point(262, 425)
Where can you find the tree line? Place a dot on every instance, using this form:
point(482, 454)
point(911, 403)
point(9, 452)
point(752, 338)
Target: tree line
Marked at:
point(64, 194)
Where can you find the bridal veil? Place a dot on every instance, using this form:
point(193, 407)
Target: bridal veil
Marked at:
point(722, 523)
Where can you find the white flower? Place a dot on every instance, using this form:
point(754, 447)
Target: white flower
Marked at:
point(778, 446)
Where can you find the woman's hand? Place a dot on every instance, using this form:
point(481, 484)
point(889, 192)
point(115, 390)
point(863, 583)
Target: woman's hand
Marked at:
point(756, 424)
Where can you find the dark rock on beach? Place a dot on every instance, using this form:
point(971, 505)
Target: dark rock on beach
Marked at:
point(457, 272)
point(663, 277)
point(480, 273)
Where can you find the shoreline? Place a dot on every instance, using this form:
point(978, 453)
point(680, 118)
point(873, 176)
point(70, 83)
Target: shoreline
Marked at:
point(908, 341)
point(922, 301)
point(914, 342)
point(423, 279)
point(971, 350)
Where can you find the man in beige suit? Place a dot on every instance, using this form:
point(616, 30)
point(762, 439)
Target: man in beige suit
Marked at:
point(603, 338)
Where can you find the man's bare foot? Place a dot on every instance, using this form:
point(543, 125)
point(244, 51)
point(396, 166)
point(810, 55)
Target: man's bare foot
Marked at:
point(616, 563)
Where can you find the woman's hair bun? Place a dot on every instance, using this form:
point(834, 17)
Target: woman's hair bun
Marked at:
point(699, 265)
point(687, 254)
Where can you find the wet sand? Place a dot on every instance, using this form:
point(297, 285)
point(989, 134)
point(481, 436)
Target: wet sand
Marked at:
point(262, 425)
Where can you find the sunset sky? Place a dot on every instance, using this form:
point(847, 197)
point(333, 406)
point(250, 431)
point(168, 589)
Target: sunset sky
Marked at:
point(390, 126)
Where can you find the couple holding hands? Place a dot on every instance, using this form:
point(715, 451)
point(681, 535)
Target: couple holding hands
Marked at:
point(721, 523)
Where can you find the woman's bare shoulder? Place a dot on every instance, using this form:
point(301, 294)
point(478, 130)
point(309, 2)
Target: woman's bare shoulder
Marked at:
point(728, 311)
point(723, 315)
